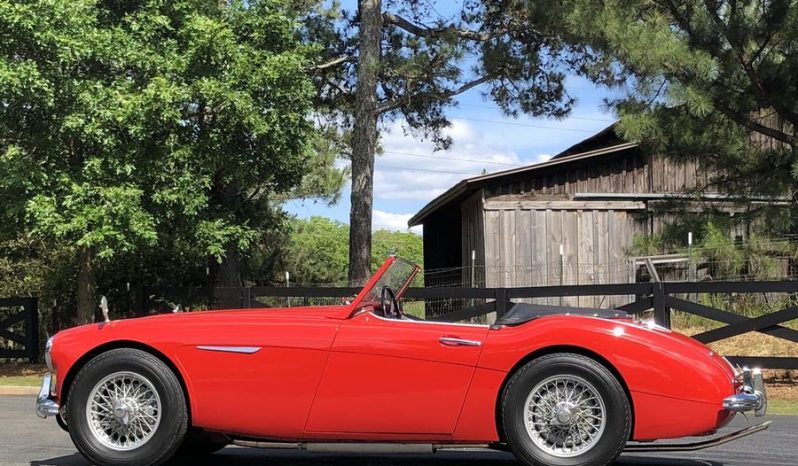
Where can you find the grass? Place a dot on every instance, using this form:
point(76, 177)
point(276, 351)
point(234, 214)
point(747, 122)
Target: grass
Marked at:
point(21, 381)
point(21, 375)
point(782, 407)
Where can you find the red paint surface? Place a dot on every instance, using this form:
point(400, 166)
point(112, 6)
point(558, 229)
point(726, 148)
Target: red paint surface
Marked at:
point(333, 373)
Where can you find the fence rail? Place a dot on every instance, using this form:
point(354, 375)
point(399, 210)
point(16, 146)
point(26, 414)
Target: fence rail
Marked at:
point(16, 345)
point(658, 297)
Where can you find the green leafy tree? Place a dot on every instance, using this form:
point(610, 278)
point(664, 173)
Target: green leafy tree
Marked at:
point(405, 244)
point(318, 251)
point(708, 78)
point(122, 123)
point(394, 59)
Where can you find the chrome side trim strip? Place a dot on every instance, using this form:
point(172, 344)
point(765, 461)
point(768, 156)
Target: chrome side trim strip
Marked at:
point(231, 349)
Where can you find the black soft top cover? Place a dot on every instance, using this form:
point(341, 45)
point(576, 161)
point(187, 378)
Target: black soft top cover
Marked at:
point(524, 312)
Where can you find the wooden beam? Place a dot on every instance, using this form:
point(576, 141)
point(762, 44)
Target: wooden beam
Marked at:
point(564, 205)
point(759, 324)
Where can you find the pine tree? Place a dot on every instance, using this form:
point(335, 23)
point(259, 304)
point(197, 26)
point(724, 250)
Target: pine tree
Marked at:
point(698, 78)
point(405, 60)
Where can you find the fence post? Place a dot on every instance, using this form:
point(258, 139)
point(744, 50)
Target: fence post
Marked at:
point(138, 301)
point(662, 313)
point(32, 329)
point(146, 291)
point(501, 302)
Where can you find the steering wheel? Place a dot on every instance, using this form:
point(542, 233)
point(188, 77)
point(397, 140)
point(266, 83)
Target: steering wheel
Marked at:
point(390, 305)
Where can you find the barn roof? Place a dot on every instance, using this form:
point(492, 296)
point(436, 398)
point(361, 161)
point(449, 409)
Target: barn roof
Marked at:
point(604, 142)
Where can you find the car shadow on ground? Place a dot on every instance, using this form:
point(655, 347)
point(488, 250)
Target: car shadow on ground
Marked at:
point(247, 457)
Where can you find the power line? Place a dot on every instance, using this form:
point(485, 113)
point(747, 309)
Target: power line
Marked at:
point(429, 170)
point(603, 120)
point(448, 172)
point(527, 125)
point(441, 157)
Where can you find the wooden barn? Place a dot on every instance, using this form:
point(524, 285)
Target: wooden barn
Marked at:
point(569, 220)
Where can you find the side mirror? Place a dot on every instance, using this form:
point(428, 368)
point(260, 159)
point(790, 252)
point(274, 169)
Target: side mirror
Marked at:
point(104, 308)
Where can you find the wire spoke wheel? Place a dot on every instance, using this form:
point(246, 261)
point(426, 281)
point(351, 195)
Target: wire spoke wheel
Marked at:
point(565, 416)
point(123, 411)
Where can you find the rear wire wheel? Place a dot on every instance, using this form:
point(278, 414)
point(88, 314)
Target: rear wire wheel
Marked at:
point(565, 409)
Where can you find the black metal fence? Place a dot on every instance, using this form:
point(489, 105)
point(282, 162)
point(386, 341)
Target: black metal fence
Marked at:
point(19, 329)
point(457, 304)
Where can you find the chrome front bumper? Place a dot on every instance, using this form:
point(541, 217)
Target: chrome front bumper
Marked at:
point(45, 406)
point(753, 396)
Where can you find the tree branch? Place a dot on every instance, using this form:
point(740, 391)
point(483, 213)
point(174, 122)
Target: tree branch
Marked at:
point(758, 127)
point(747, 66)
point(463, 33)
point(400, 101)
point(331, 63)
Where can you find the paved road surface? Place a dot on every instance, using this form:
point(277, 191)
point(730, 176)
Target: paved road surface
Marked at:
point(29, 441)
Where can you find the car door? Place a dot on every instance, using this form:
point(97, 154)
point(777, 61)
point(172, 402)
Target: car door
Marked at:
point(391, 378)
point(255, 375)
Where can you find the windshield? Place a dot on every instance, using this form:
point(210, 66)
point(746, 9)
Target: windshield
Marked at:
point(397, 273)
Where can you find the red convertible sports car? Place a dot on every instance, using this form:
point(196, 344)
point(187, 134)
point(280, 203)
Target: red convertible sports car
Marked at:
point(556, 386)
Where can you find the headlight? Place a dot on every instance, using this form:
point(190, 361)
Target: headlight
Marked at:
point(47, 350)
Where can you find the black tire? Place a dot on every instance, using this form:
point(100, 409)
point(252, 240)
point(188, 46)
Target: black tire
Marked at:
point(167, 436)
point(609, 444)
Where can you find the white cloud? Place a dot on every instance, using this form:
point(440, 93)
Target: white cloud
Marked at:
point(410, 169)
point(409, 173)
point(382, 220)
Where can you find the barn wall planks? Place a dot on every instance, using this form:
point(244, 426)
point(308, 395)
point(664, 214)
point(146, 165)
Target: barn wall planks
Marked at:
point(473, 241)
point(516, 224)
point(529, 245)
point(628, 171)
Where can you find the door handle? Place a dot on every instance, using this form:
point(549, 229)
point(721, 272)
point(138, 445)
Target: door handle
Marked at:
point(454, 341)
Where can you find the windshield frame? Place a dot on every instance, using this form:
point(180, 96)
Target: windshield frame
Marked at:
point(361, 298)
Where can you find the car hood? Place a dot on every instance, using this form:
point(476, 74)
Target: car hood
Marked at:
point(216, 316)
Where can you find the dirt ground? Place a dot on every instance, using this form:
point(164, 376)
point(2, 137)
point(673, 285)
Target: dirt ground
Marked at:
point(783, 390)
point(21, 370)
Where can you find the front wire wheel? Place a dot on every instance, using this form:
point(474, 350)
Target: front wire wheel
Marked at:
point(126, 406)
point(565, 410)
point(124, 411)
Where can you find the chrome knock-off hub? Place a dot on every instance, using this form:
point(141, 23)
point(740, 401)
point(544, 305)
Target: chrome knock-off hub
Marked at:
point(564, 413)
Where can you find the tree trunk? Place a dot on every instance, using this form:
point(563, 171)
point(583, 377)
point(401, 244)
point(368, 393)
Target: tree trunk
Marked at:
point(364, 141)
point(87, 284)
point(228, 273)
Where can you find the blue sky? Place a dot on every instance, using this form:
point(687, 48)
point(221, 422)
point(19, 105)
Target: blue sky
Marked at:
point(410, 174)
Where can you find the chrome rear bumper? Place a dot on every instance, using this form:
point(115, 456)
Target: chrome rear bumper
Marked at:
point(45, 406)
point(663, 447)
point(753, 396)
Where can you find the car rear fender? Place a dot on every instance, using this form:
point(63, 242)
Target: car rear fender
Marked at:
point(660, 370)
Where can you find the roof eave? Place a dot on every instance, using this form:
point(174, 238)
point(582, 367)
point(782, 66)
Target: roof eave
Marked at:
point(462, 186)
point(433, 205)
